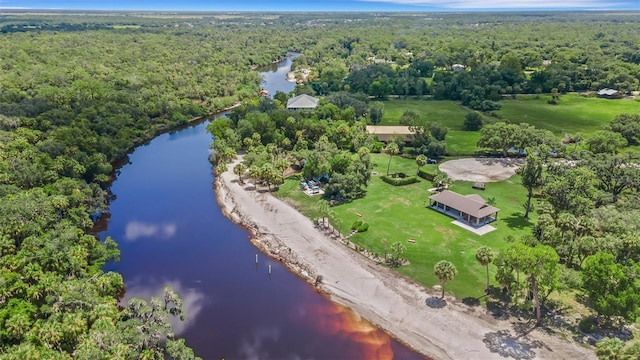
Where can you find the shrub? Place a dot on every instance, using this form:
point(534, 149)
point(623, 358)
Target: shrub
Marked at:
point(377, 146)
point(587, 325)
point(399, 181)
point(472, 121)
point(360, 226)
point(426, 175)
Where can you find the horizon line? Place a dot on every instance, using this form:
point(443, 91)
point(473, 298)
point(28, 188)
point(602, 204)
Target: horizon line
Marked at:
point(442, 10)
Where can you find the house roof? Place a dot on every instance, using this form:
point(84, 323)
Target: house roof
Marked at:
point(473, 204)
point(607, 91)
point(303, 101)
point(384, 133)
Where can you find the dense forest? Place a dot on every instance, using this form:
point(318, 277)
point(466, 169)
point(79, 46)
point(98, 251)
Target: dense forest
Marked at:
point(78, 91)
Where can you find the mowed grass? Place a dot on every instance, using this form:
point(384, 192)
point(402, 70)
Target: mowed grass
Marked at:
point(399, 213)
point(573, 114)
point(447, 113)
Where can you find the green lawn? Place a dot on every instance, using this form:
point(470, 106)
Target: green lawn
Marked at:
point(448, 113)
point(399, 213)
point(573, 114)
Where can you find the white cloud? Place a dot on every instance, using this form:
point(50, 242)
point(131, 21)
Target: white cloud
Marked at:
point(505, 4)
point(256, 347)
point(137, 229)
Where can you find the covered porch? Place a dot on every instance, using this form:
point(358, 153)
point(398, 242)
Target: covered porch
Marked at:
point(463, 217)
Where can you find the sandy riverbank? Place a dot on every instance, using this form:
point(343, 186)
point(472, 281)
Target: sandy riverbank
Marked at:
point(378, 294)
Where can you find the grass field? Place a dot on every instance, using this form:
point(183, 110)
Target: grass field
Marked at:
point(399, 213)
point(573, 114)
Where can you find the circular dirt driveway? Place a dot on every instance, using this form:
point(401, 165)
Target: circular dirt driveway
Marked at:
point(481, 169)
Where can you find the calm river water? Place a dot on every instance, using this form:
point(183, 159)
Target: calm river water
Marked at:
point(171, 232)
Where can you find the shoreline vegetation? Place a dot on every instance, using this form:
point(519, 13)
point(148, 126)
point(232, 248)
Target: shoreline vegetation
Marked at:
point(387, 299)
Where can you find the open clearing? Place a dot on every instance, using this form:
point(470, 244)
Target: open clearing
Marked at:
point(481, 169)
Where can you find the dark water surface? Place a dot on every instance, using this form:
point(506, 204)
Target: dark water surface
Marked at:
point(171, 232)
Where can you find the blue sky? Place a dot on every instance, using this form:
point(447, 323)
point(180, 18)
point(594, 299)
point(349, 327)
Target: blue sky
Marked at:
point(325, 5)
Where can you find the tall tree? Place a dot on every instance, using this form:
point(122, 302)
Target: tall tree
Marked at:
point(376, 112)
point(484, 256)
point(615, 174)
point(540, 263)
point(421, 161)
point(323, 208)
point(445, 271)
point(606, 142)
point(613, 288)
point(531, 173)
point(392, 150)
point(239, 170)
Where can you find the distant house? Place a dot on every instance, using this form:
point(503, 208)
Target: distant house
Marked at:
point(302, 102)
point(457, 67)
point(610, 93)
point(472, 209)
point(385, 133)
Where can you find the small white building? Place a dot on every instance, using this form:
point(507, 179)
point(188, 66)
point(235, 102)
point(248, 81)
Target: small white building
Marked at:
point(609, 93)
point(302, 102)
point(457, 67)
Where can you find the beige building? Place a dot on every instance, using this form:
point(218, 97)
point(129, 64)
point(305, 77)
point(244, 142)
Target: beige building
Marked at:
point(472, 209)
point(385, 133)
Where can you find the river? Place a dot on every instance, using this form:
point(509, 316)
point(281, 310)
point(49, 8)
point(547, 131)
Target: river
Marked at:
point(171, 231)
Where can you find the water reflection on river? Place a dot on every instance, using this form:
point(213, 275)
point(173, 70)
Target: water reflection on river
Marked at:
point(172, 232)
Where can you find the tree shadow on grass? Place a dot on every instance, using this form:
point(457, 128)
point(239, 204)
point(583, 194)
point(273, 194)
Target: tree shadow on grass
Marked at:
point(517, 221)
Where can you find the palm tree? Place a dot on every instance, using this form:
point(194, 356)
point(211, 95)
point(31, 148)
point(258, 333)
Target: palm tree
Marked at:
point(323, 207)
point(421, 161)
point(337, 225)
point(255, 173)
point(239, 169)
point(444, 271)
point(282, 165)
point(392, 149)
point(485, 255)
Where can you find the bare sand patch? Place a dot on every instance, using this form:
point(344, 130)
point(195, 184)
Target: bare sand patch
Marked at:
point(481, 169)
